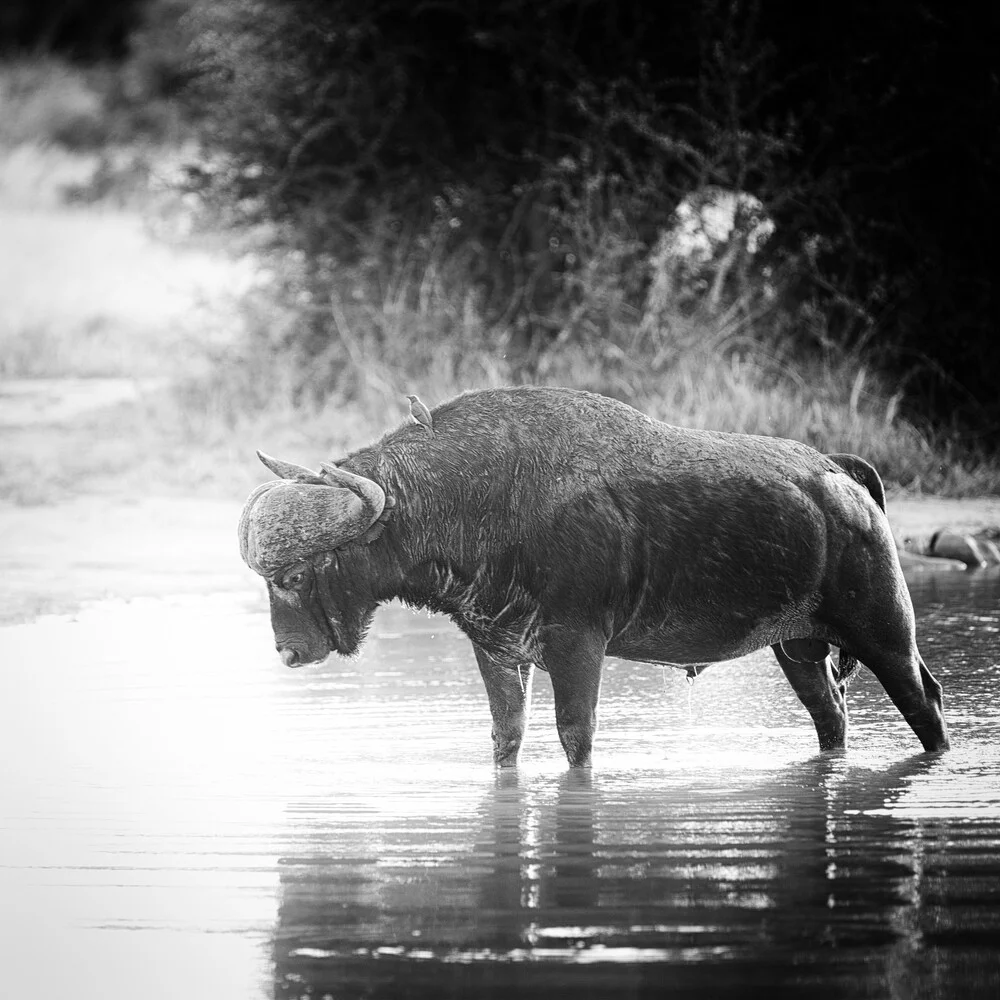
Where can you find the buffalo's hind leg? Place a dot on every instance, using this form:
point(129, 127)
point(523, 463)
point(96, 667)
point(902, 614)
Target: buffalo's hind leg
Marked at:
point(912, 688)
point(872, 614)
point(508, 687)
point(817, 688)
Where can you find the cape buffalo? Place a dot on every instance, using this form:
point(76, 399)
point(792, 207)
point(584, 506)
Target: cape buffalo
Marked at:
point(556, 526)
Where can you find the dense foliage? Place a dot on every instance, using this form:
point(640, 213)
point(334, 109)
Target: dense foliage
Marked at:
point(547, 146)
point(84, 29)
point(515, 176)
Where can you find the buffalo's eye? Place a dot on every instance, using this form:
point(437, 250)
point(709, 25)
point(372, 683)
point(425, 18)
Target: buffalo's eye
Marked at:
point(294, 580)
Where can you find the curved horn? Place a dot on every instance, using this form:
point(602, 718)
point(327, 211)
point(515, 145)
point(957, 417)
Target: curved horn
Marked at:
point(284, 522)
point(333, 475)
point(288, 470)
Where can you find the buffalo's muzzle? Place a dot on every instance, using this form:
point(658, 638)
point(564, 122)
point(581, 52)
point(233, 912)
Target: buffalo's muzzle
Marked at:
point(290, 657)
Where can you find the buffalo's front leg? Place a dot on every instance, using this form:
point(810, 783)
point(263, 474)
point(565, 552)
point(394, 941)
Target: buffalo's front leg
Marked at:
point(574, 659)
point(508, 686)
point(822, 696)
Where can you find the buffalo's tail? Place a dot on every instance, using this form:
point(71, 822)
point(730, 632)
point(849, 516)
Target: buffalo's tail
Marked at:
point(864, 473)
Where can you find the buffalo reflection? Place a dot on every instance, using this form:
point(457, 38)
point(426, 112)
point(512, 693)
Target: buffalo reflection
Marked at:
point(604, 885)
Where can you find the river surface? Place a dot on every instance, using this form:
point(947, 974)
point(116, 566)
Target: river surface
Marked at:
point(181, 817)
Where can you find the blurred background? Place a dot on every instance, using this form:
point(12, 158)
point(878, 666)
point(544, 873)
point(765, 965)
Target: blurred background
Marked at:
point(228, 224)
point(239, 224)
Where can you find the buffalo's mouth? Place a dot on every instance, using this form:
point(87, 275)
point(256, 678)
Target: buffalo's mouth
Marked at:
point(293, 658)
point(308, 651)
point(296, 653)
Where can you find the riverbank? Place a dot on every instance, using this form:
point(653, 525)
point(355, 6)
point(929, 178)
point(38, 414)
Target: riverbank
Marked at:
point(918, 517)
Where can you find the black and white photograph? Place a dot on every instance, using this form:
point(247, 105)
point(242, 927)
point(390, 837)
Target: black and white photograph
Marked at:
point(499, 500)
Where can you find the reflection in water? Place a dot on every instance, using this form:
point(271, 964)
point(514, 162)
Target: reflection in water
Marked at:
point(178, 825)
point(798, 880)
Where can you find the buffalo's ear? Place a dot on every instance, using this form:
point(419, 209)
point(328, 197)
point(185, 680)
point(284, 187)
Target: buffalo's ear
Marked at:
point(286, 470)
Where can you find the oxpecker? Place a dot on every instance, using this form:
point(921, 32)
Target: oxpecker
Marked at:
point(421, 414)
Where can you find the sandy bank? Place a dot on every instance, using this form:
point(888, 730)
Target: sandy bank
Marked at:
point(915, 517)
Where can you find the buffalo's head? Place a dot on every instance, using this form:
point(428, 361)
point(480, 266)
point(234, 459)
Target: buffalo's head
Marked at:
point(289, 531)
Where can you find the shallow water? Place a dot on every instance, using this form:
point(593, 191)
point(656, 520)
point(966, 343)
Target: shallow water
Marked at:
point(181, 817)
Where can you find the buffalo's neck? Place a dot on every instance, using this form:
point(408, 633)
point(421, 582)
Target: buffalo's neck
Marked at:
point(430, 568)
point(456, 542)
point(487, 591)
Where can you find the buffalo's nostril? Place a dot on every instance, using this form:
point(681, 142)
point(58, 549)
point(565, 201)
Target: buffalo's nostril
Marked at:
point(289, 657)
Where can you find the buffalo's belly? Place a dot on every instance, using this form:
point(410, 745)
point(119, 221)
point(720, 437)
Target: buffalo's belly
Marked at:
point(711, 638)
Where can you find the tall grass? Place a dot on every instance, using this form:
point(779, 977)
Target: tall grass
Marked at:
point(418, 333)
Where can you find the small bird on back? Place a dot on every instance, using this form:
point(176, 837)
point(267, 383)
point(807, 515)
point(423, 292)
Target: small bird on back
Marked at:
point(421, 414)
